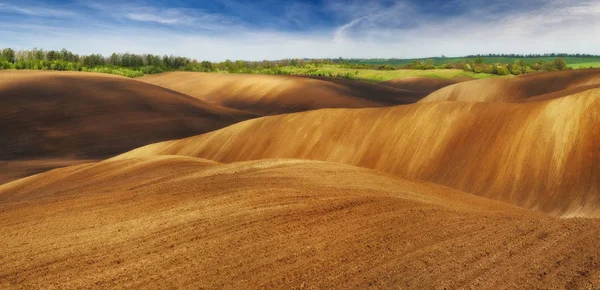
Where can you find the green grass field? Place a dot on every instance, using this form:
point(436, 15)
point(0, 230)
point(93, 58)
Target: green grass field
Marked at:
point(585, 65)
point(372, 75)
point(572, 61)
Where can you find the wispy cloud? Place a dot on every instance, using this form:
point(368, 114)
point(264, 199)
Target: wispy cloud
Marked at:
point(338, 34)
point(300, 14)
point(502, 26)
point(177, 19)
point(145, 12)
point(338, 28)
point(170, 16)
point(372, 16)
point(34, 11)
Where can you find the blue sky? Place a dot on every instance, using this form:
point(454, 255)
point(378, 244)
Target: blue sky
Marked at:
point(273, 29)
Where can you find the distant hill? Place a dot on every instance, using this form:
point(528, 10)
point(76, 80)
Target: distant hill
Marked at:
point(54, 119)
point(277, 94)
point(572, 61)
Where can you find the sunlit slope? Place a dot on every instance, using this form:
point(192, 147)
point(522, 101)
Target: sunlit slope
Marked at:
point(522, 88)
point(171, 222)
point(49, 118)
point(272, 94)
point(539, 155)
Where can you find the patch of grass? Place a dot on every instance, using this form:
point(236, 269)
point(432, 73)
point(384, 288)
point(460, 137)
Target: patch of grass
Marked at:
point(438, 61)
point(376, 76)
point(595, 64)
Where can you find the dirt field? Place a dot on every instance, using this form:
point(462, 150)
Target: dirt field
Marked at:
point(539, 155)
point(166, 222)
point(268, 94)
point(424, 85)
point(71, 116)
point(481, 185)
point(525, 88)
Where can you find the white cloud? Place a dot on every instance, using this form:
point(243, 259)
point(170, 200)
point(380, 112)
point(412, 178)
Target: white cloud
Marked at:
point(555, 26)
point(175, 16)
point(34, 11)
point(367, 30)
point(178, 19)
point(338, 35)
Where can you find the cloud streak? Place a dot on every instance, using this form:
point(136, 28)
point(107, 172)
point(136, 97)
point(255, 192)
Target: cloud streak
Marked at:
point(34, 11)
point(172, 19)
point(175, 16)
point(366, 29)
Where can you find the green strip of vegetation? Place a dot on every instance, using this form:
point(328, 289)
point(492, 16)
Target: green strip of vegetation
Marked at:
point(585, 65)
point(369, 75)
point(132, 65)
point(571, 59)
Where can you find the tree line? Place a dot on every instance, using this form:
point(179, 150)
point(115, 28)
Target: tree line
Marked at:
point(127, 64)
point(477, 65)
point(537, 55)
point(134, 65)
point(518, 67)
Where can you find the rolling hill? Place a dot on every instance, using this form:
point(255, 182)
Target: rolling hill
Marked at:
point(519, 89)
point(541, 155)
point(51, 119)
point(272, 94)
point(171, 222)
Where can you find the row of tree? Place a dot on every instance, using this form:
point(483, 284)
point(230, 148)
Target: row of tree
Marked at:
point(518, 67)
point(127, 60)
point(66, 60)
point(533, 55)
point(129, 64)
point(477, 65)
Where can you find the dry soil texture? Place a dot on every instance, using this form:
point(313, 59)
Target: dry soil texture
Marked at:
point(540, 155)
point(423, 85)
point(272, 94)
point(525, 88)
point(60, 118)
point(170, 222)
point(468, 189)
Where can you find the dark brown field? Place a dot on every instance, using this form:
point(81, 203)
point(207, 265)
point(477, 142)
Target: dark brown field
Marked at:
point(49, 119)
point(271, 94)
point(423, 85)
point(491, 184)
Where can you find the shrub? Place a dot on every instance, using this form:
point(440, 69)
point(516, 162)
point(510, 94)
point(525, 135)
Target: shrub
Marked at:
point(560, 64)
point(6, 65)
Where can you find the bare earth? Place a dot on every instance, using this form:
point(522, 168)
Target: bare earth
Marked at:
point(539, 155)
point(74, 116)
point(542, 86)
point(491, 184)
point(272, 94)
point(423, 85)
point(166, 222)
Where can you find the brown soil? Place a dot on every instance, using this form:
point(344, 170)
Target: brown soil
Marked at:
point(74, 116)
point(423, 85)
point(521, 88)
point(375, 198)
point(271, 94)
point(181, 222)
point(540, 155)
point(15, 169)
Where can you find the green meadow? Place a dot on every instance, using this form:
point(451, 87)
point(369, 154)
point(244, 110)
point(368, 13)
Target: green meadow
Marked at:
point(595, 64)
point(572, 61)
point(369, 70)
point(373, 75)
